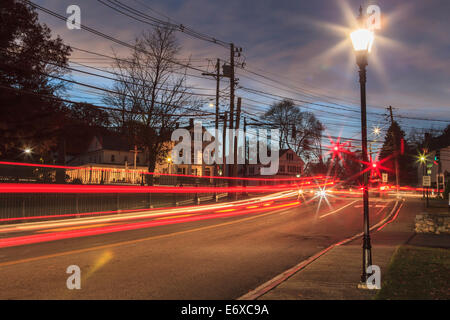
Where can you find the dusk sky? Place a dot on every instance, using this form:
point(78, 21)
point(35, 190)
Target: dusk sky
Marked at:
point(304, 45)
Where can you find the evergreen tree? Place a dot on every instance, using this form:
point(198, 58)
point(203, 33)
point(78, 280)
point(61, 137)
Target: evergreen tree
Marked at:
point(406, 157)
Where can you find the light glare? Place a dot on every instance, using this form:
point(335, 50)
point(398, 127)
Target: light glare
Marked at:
point(362, 39)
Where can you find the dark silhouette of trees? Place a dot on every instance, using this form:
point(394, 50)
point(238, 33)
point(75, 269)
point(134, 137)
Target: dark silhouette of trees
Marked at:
point(29, 56)
point(300, 131)
point(151, 94)
point(406, 159)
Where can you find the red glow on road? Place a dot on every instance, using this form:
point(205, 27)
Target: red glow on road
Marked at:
point(36, 238)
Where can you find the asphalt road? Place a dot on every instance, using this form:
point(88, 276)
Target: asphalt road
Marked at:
point(217, 258)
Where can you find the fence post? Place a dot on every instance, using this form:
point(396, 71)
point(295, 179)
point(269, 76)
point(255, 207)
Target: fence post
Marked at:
point(150, 205)
point(23, 207)
point(77, 207)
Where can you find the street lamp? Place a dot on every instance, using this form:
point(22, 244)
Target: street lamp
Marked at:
point(169, 162)
point(423, 161)
point(376, 131)
point(362, 40)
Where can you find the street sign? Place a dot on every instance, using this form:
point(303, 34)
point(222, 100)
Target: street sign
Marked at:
point(385, 177)
point(426, 181)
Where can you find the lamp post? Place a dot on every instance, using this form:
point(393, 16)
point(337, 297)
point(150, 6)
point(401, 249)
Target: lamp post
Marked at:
point(362, 40)
point(423, 161)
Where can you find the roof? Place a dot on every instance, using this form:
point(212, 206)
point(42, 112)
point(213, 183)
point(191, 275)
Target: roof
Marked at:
point(114, 141)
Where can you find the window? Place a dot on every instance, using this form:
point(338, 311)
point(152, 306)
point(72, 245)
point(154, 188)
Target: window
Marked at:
point(113, 158)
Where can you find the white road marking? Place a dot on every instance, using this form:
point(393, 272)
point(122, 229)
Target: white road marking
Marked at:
point(337, 210)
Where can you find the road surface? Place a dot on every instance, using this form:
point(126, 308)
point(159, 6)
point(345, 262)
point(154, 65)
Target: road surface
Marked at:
point(177, 256)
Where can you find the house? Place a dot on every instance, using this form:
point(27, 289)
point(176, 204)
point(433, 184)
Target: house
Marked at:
point(193, 168)
point(109, 158)
point(290, 165)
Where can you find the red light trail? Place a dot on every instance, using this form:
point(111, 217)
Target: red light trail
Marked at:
point(65, 188)
point(36, 238)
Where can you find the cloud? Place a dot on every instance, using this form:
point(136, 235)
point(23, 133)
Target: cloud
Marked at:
point(301, 43)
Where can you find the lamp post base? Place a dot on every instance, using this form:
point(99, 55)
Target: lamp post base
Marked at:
point(364, 286)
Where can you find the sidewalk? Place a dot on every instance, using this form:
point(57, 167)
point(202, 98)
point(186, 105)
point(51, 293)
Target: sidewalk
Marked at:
point(336, 274)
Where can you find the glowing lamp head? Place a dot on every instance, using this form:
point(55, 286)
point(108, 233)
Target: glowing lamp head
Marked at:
point(422, 159)
point(362, 40)
point(27, 150)
point(336, 148)
point(374, 165)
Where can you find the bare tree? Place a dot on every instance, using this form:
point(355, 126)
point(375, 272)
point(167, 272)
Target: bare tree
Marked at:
point(150, 93)
point(300, 131)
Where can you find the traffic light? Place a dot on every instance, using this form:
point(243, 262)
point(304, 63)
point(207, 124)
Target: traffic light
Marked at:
point(437, 156)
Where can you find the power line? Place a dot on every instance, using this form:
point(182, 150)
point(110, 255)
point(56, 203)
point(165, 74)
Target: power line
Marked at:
point(134, 14)
point(108, 37)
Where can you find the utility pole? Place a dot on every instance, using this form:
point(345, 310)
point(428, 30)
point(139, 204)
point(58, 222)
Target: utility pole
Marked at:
point(228, 71)
point(245, 154)
point(135, 151)
point(231, 171)
point(234, 145)
point(238, 120)
point(224, 161)
point(395, 149)
point(216, 76)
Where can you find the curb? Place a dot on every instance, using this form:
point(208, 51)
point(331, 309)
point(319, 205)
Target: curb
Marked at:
point(274, 282)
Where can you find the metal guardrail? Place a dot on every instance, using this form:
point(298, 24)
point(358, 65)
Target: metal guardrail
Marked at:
point(17, 207)
point(21, 206)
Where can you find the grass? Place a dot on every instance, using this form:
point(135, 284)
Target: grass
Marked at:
point(417, 273)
